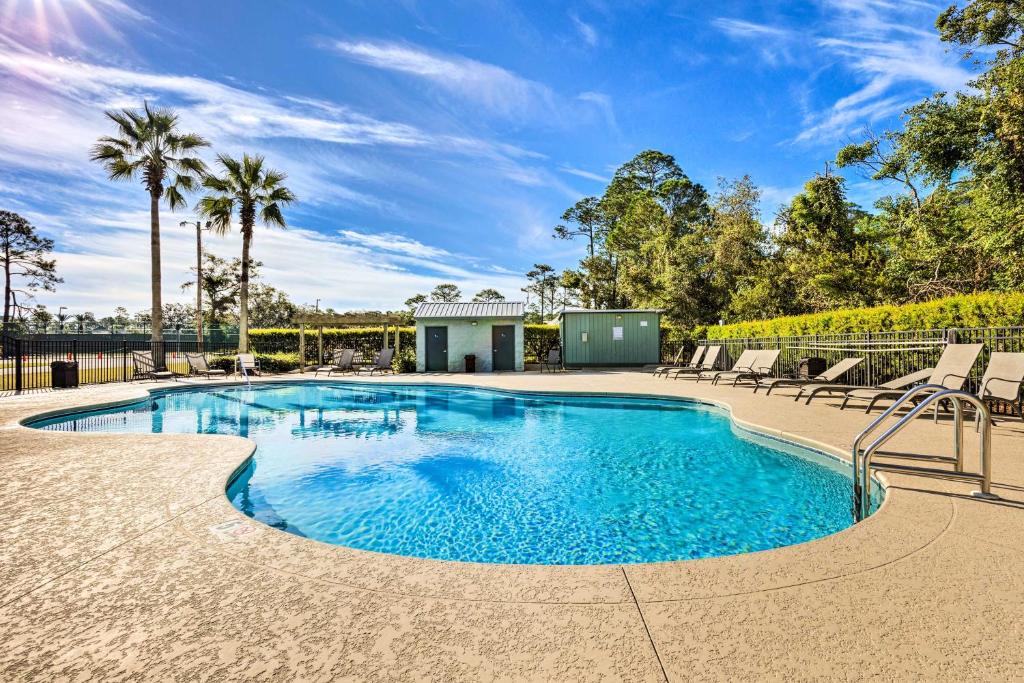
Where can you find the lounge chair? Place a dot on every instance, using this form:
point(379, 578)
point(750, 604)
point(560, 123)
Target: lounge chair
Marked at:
point(553, 362)
point(382, 362)
point(144, 368)
point(1003, 379)
point(829, 376)
point(762, 366)
point(697, 355)
point(950, 372)
point(247, 362)
point(707, 364)
point(901, 383)
point(198, 366)
point(744, 362)
point(341, 361)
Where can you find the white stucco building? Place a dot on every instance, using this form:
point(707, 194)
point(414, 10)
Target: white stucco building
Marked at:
point(447, 332)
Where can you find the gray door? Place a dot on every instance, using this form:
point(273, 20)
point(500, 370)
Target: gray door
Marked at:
point(503, 347)
point(437, 349)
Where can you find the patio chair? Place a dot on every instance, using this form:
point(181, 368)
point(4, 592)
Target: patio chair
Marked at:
point(382, 363)
point(247, 362)
point(744, 362)
point(341, 361)
point(832, 374)
point(553, 362)
point(900, 383)
point(762, 366)
point(694, 360)
point(1003, 380)
point(951, 372)
point(706, 364)
point(197, 365)
point(144, 367)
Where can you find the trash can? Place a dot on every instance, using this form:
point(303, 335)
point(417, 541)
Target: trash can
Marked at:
point(810, 367)
point(470, 362)
point(63, 374)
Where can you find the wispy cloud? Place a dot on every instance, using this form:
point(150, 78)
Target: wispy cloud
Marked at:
point(350, 270)
point(584, 174)
point(740, 28)
point(587, 31)
point(883, 43)
point(496, 89)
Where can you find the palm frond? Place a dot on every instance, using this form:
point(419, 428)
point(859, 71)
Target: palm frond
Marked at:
point(218, 209)
point(218, 184)
point(271, 215)
point(174, 197)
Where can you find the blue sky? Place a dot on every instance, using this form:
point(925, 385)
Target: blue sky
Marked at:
point(431, 141)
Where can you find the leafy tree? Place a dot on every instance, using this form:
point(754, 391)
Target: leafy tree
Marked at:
point(544, 285)
point(26, 268)
point(247, 188)
point(40, 317)
point(270, 307)
point(149, 146)
point(831, 262)
point(446, 292)
point(488, 295)
point(415, 300)
point(222, 282)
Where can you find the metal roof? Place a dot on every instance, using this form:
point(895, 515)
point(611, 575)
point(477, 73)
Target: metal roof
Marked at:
point(609, 310)
point(469, 309)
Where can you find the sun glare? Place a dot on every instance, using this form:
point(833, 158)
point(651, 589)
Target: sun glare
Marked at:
point(46, 21)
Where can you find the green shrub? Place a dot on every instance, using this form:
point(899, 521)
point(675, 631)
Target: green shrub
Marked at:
point(969, 310)
point(269, 362)
point(538, 340)
point(368, 340)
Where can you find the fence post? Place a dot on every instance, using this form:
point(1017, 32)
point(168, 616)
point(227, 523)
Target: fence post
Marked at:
point(17, 365)
point(124, 360)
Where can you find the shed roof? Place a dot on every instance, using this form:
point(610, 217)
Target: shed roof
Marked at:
point(609, 310)
point(470, 309)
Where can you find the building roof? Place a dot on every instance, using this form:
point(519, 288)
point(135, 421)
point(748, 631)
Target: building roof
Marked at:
point(608, 310)
point(469, 309)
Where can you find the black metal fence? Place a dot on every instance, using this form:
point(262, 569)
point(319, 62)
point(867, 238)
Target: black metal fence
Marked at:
point(26, 363)
point(886, 355)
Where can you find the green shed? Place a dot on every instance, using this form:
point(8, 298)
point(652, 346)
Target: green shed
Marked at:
point(609, 338)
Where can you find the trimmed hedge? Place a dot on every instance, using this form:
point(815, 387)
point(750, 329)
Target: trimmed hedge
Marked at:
point(969, 310)
point(538, 340)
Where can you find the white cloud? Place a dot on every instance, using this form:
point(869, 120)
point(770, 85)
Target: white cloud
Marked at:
point(496, 89)
point(350, 271)
point(740, 28)
point(584, 174)
point(880, 42)
point(586, 31)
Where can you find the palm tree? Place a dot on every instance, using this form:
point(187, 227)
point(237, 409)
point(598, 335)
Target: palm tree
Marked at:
point(148, 146)
point(248, 188)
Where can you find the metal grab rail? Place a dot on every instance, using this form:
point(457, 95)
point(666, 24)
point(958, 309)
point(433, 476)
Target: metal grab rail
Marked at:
point(862, 473)
point(858, 513)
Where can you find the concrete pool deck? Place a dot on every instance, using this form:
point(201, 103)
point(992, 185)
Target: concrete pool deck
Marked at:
point(121, 557)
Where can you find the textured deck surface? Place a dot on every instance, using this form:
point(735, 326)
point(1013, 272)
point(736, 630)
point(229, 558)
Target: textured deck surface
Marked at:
point(109, 570)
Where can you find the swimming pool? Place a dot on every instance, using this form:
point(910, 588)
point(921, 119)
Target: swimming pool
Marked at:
point(487, 476)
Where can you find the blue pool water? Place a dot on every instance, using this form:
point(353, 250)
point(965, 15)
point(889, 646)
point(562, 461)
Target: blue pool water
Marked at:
point(475, 475)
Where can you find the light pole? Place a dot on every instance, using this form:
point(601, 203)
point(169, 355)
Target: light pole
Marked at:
point(199, 278)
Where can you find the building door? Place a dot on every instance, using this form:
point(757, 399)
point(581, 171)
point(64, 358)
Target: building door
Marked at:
point(437, 349)
point(503, 347)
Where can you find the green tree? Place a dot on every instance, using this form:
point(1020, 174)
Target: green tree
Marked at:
point(488, 294)
point(446, 292)
point(832, 262)
point(247, 188)
point(270, 307)
point(149, 146)
point(222, 282)
point(26, 268)
point(415, 300)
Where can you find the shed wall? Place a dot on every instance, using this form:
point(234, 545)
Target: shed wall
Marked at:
point(465, 338)
point(640, 344)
